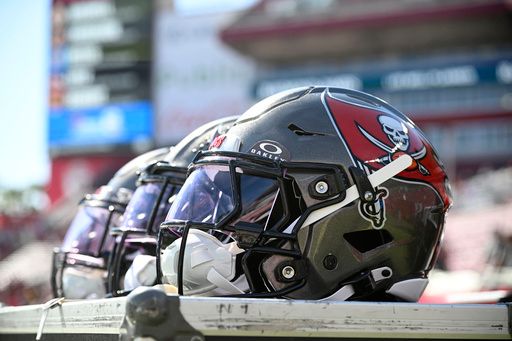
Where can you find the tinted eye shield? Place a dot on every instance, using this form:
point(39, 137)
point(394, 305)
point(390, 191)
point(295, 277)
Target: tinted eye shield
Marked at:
point(94, 215)
point(86, 253)
point(281, 171)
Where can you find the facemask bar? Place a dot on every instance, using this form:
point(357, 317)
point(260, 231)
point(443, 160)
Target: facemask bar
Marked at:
point(159, 172)
point(279, 170)
point(112, 209)
point(114, 264)
point(166, 237)
point(61, 257)
point(58, 262)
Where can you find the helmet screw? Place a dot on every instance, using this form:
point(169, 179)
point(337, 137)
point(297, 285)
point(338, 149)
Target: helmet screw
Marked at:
point(288, 272)
point(321, 187)
point(330, 262)
point(368, 196)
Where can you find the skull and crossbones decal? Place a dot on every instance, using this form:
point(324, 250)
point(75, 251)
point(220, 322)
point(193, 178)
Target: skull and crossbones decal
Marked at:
point(398, 134)
point(396, 131)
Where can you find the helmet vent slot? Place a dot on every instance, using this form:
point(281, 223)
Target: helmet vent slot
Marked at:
point(367, 240)
point(301, 132)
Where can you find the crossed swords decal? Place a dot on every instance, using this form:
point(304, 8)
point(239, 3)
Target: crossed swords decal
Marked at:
point(386, 159)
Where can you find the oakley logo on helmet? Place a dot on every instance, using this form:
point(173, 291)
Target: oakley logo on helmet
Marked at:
point(270, 150)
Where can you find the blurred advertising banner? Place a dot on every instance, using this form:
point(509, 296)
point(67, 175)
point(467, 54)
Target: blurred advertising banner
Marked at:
point(100, 79)
point(74, 176)
point(426, 86)
point(122, 123)
point(196, 77)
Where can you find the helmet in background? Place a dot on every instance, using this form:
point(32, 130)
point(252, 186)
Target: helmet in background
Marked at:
point(134, 263)
point(80, 264)
point(324, 193)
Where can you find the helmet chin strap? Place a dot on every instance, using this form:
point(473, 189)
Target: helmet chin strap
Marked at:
point(142, 271)
point(209, 265)
point(377, 178)
point(221, 282)
point(374, 276)
point(343, 294)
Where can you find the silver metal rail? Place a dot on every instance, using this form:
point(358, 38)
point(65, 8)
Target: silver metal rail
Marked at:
point(157, 314)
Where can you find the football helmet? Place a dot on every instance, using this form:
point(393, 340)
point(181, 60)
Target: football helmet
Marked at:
point(79, 265)
point(320, 193)
point(133, 262)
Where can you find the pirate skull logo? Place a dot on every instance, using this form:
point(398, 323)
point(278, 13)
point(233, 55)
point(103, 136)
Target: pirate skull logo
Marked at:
point(396, 131)
point(398, 134)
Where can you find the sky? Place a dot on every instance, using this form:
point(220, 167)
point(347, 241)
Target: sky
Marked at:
point(24, 55)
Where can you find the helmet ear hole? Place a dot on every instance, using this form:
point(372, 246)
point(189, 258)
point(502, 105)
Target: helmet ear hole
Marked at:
point(367, 240)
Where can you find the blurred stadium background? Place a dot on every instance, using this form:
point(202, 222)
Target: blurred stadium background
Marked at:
point(126, 76)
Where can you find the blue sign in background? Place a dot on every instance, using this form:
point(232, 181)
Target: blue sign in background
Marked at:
point(406, 75)
point(99, 126)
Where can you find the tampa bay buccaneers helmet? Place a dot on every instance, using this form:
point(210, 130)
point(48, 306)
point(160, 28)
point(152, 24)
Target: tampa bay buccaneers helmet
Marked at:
point(79, 265)
point(133, 262)
point(321, 192)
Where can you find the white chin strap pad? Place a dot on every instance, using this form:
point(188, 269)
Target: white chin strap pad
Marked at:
point(142, 272)
point(208, 264)
point(80, 283)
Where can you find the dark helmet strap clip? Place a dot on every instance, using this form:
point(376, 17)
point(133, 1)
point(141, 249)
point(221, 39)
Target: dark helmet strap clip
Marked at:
point(362, 284)
point(367, 193)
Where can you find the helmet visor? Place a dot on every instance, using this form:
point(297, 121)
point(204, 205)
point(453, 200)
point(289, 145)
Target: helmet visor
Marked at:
point(88, 232)
point(209, 196)
point(141, 206)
